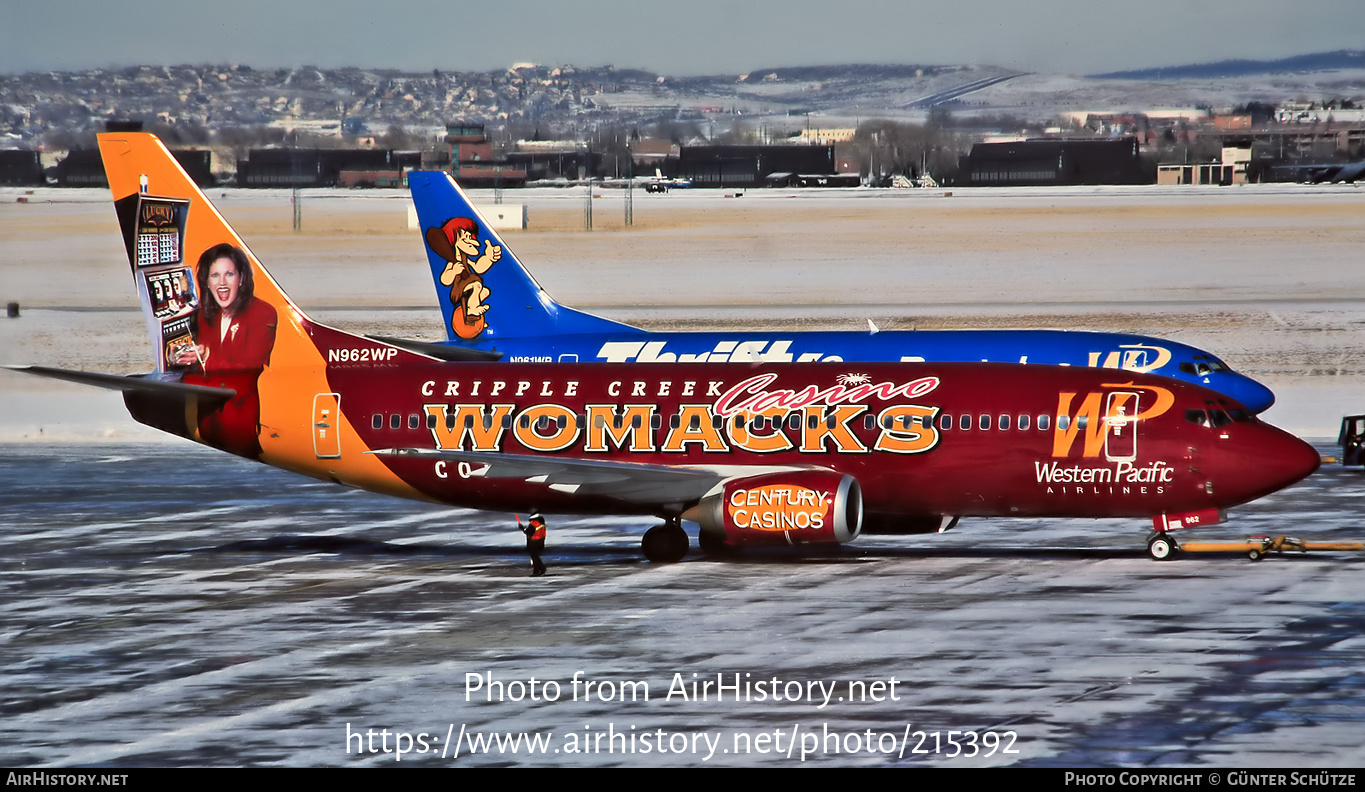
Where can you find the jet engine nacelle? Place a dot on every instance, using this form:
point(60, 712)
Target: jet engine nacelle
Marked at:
point(801, 507)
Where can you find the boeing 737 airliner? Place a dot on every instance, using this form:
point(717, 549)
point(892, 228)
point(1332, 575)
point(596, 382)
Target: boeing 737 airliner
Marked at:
point(494, 308)
point(797, 453)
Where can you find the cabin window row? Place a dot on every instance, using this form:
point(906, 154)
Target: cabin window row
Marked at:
point(985, 422)
point(945, 421)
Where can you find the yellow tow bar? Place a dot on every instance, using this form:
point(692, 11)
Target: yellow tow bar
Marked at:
point(1257, 546)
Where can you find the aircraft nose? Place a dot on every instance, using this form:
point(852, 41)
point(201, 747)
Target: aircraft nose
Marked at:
point(1285, 460)
point(1255, 396)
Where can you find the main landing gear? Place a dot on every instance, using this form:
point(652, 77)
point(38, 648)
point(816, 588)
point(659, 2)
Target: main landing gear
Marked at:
point(665, 544)
point(1161, 547)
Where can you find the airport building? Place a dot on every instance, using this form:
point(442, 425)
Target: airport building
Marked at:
point(472, 162)
point(84, 168)
point(543, 160)
point(21, 168)
point(1055, 161)
point(308, 167)
point(750, 166)
point(648, 155)
point(1302, 140)
point(1230, 169)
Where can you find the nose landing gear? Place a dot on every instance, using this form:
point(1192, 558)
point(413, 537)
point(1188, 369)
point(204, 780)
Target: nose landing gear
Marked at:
point(1161, 547)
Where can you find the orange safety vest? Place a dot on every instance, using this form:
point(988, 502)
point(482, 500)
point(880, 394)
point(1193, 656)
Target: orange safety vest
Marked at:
point(539, 532)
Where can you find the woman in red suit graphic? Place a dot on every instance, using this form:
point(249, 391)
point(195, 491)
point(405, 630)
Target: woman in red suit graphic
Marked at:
point(236, 333)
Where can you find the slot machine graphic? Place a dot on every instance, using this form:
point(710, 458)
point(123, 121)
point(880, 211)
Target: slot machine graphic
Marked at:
point(165, 282)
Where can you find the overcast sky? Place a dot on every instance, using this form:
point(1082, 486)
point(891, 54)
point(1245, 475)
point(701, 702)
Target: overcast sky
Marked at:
point(685, 37)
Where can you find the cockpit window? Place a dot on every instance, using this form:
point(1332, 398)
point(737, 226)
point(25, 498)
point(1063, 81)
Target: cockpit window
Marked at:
point(1203, 364)
point(1217, 418)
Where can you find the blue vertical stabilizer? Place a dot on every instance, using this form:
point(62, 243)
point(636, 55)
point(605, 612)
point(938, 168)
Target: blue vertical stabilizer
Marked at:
point(485, 293)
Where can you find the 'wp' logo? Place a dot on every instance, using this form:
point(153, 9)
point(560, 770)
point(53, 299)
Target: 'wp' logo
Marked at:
point(1107, 421)
point(1132, 357)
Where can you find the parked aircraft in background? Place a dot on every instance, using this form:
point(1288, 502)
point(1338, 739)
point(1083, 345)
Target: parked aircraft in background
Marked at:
point(799, 453)
point(659, 183)
point(495, 309)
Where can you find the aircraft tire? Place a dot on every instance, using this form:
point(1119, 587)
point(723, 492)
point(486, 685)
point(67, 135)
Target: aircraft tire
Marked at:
point(1162, 548)
point(665, 544)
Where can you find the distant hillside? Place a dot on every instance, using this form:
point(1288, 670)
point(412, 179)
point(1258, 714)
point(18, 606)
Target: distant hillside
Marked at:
point(861, 71)
point(1315, 62)
point(191, 101)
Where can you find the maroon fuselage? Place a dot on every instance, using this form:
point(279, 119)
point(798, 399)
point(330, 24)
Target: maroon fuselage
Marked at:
point(921, 439)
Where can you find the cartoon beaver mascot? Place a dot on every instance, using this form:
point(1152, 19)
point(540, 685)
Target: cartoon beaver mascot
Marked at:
point(457, 242)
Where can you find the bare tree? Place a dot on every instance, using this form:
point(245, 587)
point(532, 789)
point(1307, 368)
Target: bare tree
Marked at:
point(885, 148)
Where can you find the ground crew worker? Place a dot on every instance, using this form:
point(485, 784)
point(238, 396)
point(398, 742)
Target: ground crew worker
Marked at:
point(535, 542)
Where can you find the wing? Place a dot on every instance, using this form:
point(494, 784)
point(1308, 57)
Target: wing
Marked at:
point(627, 481)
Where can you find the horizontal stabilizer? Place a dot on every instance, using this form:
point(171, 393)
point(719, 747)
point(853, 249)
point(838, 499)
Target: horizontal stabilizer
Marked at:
point(120, 383)
point(446, 352)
